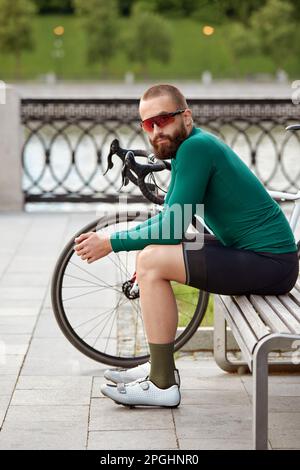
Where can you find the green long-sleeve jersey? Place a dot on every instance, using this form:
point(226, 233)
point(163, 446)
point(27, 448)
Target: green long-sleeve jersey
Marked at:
point(237, 207)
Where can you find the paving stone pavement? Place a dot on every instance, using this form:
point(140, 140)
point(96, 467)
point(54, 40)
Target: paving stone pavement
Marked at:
point(50, 393)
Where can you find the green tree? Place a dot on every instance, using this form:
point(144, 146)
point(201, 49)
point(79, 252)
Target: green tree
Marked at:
point(54, 6)
point(100, 19)
point(179, 8)
point(275, 29)
point(148, 37)
point(239, 11)
point(242, 43)
point(16, 29)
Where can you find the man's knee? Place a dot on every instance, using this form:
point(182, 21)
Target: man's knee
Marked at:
point(146, 262)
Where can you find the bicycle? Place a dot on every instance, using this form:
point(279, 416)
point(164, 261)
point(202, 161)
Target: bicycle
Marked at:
point(110, 327)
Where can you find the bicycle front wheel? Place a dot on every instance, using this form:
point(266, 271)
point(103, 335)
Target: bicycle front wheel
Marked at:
point(94, 306)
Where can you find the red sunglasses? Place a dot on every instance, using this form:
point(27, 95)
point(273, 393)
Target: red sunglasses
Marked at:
point(161, 120)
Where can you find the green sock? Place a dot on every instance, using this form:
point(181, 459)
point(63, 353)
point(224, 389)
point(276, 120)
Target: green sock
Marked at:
point(162, 364)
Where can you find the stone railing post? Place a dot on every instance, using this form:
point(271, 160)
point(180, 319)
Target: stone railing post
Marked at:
point(11, 194)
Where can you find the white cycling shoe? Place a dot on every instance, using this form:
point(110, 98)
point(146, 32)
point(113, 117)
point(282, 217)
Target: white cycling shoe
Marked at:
point(142, 392)
point(135, 373)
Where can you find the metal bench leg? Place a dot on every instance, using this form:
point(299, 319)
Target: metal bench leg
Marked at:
point(260, 398)
point(220, 342)
point(260, 384)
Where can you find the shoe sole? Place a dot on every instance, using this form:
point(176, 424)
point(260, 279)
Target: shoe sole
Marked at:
point(152, 406)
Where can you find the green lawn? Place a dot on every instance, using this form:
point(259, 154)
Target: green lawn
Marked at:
point(192, 54)
point(187, 299)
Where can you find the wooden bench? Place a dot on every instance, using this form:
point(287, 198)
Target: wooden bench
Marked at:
point(260, 324)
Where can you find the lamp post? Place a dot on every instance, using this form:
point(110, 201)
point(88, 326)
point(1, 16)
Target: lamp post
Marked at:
point(206, 75)
point(58, 48)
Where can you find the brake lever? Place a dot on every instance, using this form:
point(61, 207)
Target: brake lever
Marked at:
point(114, 149)
point(125, 179)
point(109, 162)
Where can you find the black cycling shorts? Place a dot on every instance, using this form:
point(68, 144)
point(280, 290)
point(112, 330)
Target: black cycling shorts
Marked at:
point(230, 271)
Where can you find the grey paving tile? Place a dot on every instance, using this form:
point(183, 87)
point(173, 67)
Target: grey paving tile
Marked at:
point(21, 303)
point(133, 439)
point(205, 421)
point(34, 427)
point(14, 344)
point(45, 382)
point(284, 430)
point(291, 389)
point(15, 311)
point(27, 417)
point(284, 404)
point(17, 324)
point(276, 379)
point(214, 444)
point(47, 326)
point(4, 402)
point(97, 383)
point(212, 383)
point(46, 437)
point(52, 391)
point(7, 384)
point(27, 263)
point(56, 356)
point(200, 372)
point(17, 279)
point(221, 397)
point(21, 293)
point(105, 415)
point(11, 364)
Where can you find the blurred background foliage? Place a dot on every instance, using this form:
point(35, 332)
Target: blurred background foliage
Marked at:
point(153, 39)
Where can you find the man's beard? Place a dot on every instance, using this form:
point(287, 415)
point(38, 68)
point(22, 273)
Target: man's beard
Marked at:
point(169, 148)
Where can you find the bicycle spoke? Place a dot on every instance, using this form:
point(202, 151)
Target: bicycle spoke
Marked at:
point(85, 293)
point(137, 308)
point(110, 333)
point(101, 280)
point(94, 327)
point(101, 321)
point(93, 318)
point(86, 280)
point(126, 274)
point(124, 265)
point(106, 323)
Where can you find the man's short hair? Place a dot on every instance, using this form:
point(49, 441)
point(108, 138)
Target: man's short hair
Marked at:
point(165, 89)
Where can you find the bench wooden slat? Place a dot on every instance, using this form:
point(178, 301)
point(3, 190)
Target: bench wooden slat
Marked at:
point(295, 294)
point(268, 315)
point(297, 285)
point(283, 313)
point(237, 334)
point(291, 305)
point(259, 328)
point(238, 318)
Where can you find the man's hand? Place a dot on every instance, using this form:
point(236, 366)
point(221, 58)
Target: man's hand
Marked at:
point(91, 246)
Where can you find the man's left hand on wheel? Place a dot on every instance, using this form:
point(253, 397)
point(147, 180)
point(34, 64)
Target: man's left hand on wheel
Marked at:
point(91, 246)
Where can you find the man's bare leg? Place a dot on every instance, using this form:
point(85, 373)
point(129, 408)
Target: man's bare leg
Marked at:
point(157, 265)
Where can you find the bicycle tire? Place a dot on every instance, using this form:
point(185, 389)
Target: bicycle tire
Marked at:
point(68, 329)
